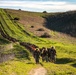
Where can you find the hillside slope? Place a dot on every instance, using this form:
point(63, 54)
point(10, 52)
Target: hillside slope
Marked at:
point(19, 33)
point(12, 30)
point(62, 22)
point(33, 21)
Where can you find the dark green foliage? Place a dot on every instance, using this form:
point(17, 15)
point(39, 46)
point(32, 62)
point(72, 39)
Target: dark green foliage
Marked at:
point(32, 26)
point(3, 41)
point(20, 52)
point(45, 35)
point(40, 29)
point(62, 22)
point(16, 18)
point(65, 60)
point(74, 65)
point(44, 11)
point(20, 9)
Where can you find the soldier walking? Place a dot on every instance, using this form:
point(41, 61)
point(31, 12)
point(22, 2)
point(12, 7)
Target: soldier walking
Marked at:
point(52, 54)
point(37, 55)
point(44, 55)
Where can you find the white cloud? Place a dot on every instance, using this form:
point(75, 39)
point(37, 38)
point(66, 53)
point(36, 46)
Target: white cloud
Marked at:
point(39, 6)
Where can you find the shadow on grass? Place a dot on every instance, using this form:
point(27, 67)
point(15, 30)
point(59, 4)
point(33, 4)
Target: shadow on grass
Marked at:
point(21, 53)
point(30, 63)
point(74, 65)
point(4, 41)
point(64, 60)
point(34, 63)
point(41, 64)
point(61, 22)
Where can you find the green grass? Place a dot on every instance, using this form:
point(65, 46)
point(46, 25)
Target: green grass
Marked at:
point(59, 69)
point(65, 62)
point(3, 41)
point(14, 29)
point(15, 68)
point(20, 65)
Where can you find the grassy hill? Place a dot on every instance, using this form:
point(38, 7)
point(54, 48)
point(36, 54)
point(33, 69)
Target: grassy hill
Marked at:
point(33, 22)
point(26, 29)
point(62, 22)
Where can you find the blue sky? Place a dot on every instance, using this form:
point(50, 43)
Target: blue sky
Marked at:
point(40, 5)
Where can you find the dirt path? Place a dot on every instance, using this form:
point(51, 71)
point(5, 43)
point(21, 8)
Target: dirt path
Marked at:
point(38, 71)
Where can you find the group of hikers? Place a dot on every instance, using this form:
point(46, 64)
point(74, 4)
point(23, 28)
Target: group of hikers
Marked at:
point(47, 54)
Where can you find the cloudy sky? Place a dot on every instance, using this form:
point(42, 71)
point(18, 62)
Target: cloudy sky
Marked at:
point(40, 5)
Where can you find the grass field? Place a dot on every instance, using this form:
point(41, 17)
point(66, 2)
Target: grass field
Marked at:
point(24, 61)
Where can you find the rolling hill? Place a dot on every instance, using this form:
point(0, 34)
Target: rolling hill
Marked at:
point(18, 29)
point(64, 22)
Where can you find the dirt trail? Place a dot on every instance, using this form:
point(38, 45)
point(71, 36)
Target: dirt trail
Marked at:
point(38, 71)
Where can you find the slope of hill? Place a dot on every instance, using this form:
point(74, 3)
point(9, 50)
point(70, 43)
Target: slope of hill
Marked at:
point(34, 21)
point(62, 22)
point(23, 31)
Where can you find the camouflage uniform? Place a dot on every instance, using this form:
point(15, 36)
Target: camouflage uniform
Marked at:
point(36, 55)
point(52, 54)
point(45, 55)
